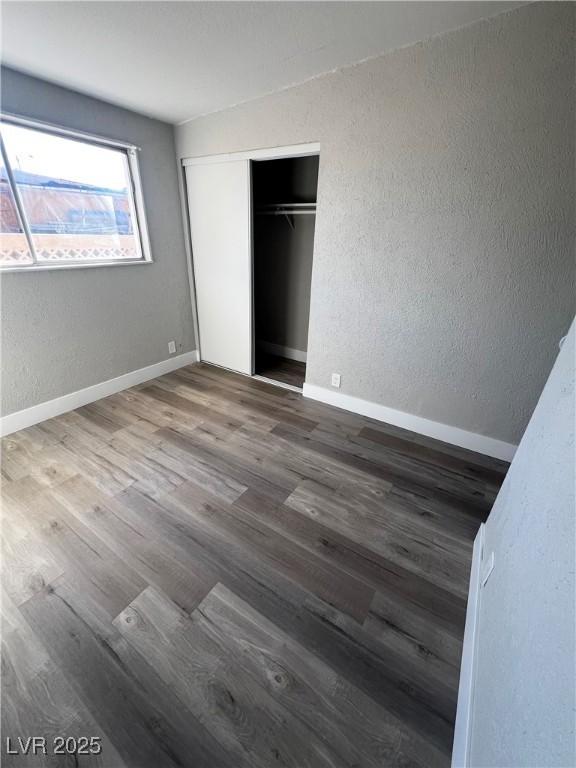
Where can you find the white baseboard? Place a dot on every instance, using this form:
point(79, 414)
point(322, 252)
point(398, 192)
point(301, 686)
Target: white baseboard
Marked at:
point(37, 413)
point(462, 728)
point(281, 351)
point(454, 435)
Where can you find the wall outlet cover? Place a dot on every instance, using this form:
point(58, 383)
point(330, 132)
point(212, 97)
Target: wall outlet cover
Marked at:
point(171, 347)
point(336, 380)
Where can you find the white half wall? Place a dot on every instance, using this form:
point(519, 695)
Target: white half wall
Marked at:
point(523, 692)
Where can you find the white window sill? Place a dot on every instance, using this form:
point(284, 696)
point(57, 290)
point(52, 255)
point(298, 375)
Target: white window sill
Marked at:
point(59, 267)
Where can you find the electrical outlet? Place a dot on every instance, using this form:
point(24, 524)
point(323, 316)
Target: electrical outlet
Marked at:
point(171, 347)
point(336, 380)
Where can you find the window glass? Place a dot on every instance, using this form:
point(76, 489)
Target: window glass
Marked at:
point(14, 248)
point(76, 197)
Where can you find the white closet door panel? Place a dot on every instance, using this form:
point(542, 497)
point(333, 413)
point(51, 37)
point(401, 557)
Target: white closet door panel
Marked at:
point(219, 205)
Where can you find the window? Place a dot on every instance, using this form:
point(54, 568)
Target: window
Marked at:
point(67, 200)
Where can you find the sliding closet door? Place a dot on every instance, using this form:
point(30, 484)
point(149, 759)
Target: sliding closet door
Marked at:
point(220, 216)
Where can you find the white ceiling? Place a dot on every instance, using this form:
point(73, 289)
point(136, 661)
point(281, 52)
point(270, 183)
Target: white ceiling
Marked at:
point(179, 60)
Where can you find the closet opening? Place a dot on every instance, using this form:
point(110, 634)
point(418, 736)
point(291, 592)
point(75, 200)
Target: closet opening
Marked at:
point(284, 211)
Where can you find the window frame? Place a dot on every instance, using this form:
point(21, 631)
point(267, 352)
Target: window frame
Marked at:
point(130, 153)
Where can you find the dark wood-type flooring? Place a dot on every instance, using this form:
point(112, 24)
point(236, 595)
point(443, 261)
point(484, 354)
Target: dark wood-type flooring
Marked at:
point(281, 369)
point(209, 571)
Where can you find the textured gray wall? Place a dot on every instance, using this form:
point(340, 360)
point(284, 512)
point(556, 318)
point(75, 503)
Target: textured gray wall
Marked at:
point(65, 330)
point(524, 702)
point(443, 267)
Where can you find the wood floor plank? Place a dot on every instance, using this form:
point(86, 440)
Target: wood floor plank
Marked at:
point(179, 453)
point(412, 632)
point(392, 467)
point(273, 454)
point(213, 572)
point(49, 466)
point(27, 566)
point(137, 404)
point(281, 554)
point(188, 406)
point(384, 575)
point(302, 615)
point(238, 711)
point(416, 467)
point(174, 726)
point(101, 681)
point(348, 720)
point(78, 447)
point(209, 397)
point(390, 678)
point(413, 549)
point(114, 409)
point(262, 405)
point(466, 467)
point(74, 547)
point(221, 468)
point(147, 545)
point(38, 700)
point(478, 460)
point(111, 455)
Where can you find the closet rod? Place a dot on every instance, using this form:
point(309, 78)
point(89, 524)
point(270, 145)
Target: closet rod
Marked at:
point(288, 205)
point(285, 212)
point(282, 209)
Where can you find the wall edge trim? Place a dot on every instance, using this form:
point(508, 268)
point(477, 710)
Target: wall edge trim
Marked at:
point(463, 725)
point(263, 153)
point(470, 440)
point(27, 417)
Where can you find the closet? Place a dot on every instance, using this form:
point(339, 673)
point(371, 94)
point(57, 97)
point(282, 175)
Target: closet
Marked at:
point(252, 218)
point(284, 208)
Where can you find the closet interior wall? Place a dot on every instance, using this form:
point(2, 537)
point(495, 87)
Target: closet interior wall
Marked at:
point(283, 251)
